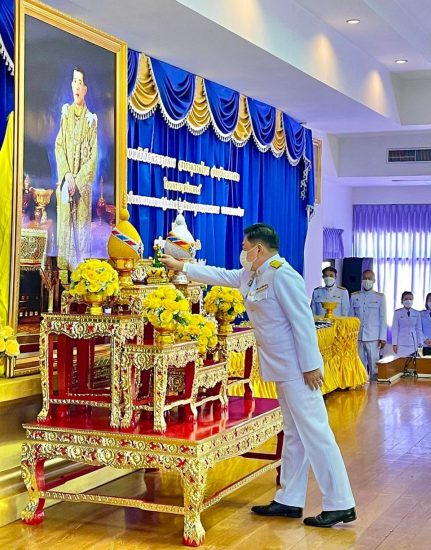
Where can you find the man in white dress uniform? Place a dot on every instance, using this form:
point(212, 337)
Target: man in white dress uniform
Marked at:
point(276, 303)
point(330, 293)
point(369, 306)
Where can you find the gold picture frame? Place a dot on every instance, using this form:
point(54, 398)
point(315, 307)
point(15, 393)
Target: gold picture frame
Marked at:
point(317, 167)
point(35, 21)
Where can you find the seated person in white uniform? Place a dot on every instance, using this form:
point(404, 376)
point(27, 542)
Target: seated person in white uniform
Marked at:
point(426, 324)
point(406, 327)
point(276, 303)
point(330, 293)
point(369, 306)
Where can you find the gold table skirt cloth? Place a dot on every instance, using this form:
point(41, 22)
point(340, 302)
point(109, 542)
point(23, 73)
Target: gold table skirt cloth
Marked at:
point(338, 344)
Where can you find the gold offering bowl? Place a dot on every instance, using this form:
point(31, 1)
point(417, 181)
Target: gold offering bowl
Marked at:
point(125, 266)
point(41, 198)
point(329, 309)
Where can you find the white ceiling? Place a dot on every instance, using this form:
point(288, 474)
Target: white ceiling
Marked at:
point(298, 55)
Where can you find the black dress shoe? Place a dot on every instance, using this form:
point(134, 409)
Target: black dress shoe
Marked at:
point(328, 519)
point(277, 509)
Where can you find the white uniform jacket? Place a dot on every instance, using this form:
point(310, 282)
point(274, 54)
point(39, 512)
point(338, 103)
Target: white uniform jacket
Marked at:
point(276, 303)
point(369, 307)
point(426, 324)
point(333, 293)
point(407, 329)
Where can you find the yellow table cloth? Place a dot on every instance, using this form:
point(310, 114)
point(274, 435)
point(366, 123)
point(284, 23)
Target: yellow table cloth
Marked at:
point(338, 344)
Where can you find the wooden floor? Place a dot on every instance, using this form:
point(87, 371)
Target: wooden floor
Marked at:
point(385, 437)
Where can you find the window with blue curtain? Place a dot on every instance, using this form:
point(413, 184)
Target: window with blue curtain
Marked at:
point(398, 237)
point(333, 248)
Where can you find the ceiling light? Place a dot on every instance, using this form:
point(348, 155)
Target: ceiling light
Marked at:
point(353, 21)
point(401, 61)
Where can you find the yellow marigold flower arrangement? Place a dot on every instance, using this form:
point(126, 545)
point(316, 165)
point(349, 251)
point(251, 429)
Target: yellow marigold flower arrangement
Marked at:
point(166, 308)
point(94, 277)
point(8, 344)
point(199, 329)
point(225, 301)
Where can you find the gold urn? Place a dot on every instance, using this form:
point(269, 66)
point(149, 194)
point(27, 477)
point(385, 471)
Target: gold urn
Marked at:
point(42, 198)
point(329, 308)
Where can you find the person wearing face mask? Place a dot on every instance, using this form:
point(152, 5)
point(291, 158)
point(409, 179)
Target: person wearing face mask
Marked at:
point(369, 306)
point(276, 303)
point(406, 327)
point(330, 293)
point(426, 324)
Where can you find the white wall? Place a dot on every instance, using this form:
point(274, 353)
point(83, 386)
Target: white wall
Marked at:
point(335, 210)
point(415, 194)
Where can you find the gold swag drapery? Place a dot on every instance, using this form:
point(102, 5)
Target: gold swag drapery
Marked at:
point(145, 98)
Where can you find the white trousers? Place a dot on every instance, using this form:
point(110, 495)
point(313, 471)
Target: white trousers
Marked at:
point(308, 439)
point(369, 354)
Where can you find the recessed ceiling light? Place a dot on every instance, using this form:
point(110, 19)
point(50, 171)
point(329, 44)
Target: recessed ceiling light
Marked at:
point(353, 21)
point(401, 61)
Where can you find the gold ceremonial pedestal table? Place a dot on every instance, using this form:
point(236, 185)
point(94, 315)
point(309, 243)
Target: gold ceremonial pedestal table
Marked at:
point(187, 448)
point(73, 338)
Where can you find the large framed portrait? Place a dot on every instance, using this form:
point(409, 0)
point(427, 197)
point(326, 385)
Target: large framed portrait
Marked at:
point(70, 161)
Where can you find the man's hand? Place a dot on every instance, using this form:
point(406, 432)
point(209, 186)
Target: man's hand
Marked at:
point(313, 379)
point(382, 343)
point(395, 348)
point(71, 184)
point(171, 263)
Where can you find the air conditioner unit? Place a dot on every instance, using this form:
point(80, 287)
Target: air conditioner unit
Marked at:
point(409, 155)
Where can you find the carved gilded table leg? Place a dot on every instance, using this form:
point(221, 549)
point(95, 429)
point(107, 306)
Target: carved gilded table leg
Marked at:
point(44, 359)
point(159, 393)
point(194, 475)
point(33, 475)
point(116, 390)
point(127, 389)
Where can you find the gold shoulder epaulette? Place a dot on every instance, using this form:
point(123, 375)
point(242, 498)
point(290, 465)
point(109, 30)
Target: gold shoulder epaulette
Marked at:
point(318, 288)
point(356, 292)
point(379, 293)
point(341, 287)
point(276, 264)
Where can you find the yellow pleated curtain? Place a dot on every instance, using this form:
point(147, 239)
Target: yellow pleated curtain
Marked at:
point(6, 171)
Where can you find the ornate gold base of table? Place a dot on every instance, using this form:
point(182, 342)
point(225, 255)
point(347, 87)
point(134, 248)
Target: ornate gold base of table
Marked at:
point(189, 449)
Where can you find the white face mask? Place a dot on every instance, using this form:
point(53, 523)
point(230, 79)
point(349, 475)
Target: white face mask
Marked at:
point(246, 264)
point(407, 303)
point(329, 281)
point(367, 284)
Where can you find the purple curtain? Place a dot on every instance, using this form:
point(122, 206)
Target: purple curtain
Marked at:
point(398, 237)
point(333, 248)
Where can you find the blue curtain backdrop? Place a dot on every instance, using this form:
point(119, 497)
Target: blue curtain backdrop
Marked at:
point(269, 189)
point(6, 56)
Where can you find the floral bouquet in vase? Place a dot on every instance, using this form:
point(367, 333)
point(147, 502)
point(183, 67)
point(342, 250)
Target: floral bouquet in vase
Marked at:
point(166, 309)
point(9, 346)
point(201, 330)
point(94, 281)
point(226, 304)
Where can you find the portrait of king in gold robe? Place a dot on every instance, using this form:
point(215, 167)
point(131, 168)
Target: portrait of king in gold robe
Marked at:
point(76, 157)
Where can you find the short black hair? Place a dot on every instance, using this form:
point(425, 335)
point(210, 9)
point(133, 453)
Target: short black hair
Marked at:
point(329, 268)
point(426, 299)
point(264, 233)
point(405, 294)
point(369, 271)
point(80, 70)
